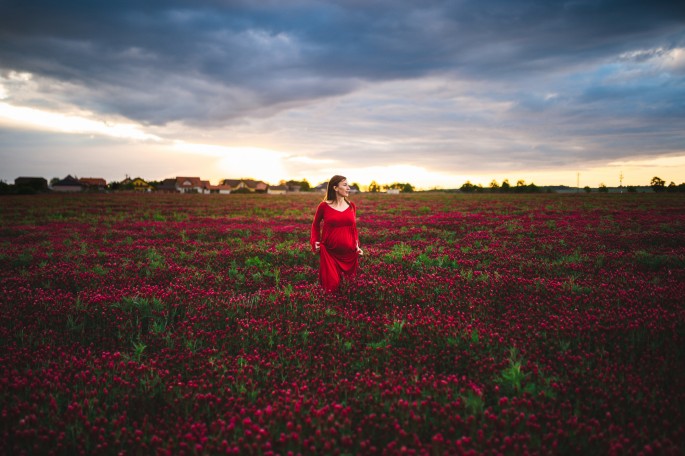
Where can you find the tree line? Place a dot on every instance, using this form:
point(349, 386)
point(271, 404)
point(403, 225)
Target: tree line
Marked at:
point(504, 187)
point(404, 187)
point(659, 186)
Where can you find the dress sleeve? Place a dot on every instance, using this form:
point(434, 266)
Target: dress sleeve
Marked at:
point(316, 226)
point(356, 233)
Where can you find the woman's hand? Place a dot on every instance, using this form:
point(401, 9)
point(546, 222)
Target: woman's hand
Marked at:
point(317, 246)
point(360, 251)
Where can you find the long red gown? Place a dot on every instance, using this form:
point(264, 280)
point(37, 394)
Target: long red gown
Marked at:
point(339, 241)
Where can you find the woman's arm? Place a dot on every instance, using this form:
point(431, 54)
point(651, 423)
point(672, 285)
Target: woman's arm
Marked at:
point(356, 233)
point(315, 237)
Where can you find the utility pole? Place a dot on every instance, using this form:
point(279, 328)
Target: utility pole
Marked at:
point(620, 179)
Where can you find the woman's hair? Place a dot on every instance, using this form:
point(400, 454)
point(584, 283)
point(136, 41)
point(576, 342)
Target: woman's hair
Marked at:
point(330, 192)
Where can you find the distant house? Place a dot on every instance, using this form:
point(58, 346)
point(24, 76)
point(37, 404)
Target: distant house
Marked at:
point(220, 189)
point(393, 191)
point(138, 184)
point(278, 190)
point(184, 185)
point(32, 184)
point(189, 185)
point(93, 183)
point(246, 185)
point(167, 186)
point(68, 184)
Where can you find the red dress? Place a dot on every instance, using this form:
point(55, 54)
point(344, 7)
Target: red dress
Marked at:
point(339, 241)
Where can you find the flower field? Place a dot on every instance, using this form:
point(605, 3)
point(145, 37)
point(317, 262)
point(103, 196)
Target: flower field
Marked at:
point(194, 324)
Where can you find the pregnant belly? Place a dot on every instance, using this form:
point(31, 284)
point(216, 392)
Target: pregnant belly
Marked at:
point(341, 243)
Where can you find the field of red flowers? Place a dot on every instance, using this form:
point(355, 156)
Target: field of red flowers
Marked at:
point(194, 324)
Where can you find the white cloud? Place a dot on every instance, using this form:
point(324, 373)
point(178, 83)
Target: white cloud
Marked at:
point(19, 76)
point(52, 121)
point(659, 59)
point(675, 59)
point(664, 162)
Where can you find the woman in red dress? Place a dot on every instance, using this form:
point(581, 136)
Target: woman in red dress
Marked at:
point(338, 244)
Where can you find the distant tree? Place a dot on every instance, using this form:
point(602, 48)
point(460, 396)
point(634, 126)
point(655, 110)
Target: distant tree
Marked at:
point(6, 189)
point(657, 184)
point(407, 188)
point(374, 187)
point(672, 187)
point(520, 186)
point(119, 185)
point(632, 189)
point(54, 180)
point(681, 188)
point(587, 189)
point(122, 186)
point(603, 188)
point(303, 184)
point(468, 187)
point(505, 185)
point(494, 186)
point(479, 188)
point(355, 186)
point(532, 188)
point(401, 186)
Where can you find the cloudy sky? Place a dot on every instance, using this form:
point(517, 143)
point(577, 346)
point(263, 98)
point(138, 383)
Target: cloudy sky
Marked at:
point(433, 92)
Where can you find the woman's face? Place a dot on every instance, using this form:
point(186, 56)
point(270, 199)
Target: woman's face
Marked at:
point(342, 189)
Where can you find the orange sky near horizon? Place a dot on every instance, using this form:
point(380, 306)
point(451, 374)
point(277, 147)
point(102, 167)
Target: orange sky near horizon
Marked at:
point(215, 162)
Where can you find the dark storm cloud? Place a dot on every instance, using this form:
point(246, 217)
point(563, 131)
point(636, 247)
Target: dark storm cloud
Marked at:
point(204, 62)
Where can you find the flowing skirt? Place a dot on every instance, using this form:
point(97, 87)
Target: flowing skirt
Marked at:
point(334, 265)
